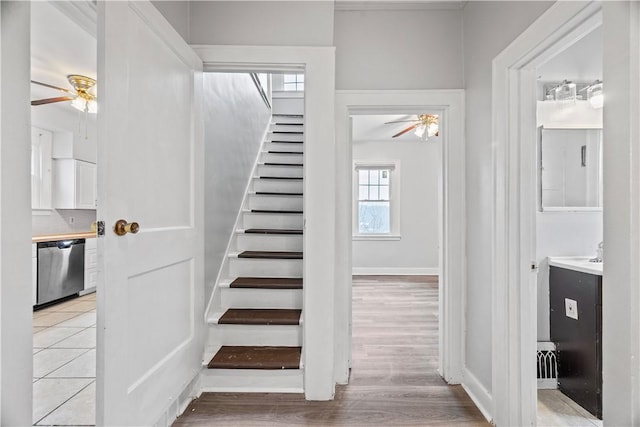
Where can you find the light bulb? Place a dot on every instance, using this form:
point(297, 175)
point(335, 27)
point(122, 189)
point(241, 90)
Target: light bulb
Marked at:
point(595, 95)
point(78, 103)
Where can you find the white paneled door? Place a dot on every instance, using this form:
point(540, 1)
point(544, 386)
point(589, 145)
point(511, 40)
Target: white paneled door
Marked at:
point(150, 171)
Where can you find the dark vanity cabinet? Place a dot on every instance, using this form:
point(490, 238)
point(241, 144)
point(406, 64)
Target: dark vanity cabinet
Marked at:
point(578, 341)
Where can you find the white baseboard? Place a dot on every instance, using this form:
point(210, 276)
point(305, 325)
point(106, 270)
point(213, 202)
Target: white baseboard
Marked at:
point(478, 393)
point(395, 271)
point(179, 405)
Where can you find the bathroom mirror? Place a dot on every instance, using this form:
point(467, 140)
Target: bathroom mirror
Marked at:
point(570, 170)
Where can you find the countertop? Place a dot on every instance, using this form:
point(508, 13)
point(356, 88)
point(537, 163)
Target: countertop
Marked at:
point(65, 236)
point(581, 264)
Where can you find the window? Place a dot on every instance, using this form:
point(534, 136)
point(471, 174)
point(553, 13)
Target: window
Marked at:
point(293, 82)
point(376, 204)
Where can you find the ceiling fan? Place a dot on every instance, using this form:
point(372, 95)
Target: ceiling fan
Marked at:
point(425, 125)
point(81, 99)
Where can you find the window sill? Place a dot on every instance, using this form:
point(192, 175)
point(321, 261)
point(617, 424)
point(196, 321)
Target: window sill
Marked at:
point(376, 237)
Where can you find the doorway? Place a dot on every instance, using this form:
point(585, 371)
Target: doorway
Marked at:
point(448, 106)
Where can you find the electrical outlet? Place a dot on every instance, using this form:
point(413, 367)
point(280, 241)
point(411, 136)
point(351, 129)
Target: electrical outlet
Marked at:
point(72, 220)
point(571, 308)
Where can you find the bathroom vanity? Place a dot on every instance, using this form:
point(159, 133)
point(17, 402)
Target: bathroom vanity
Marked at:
point(575, 295)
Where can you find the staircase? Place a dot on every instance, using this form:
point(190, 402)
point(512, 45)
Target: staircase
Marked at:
point(255, 317)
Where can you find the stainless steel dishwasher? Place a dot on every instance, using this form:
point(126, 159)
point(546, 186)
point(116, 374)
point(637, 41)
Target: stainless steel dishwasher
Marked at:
point(60, 269)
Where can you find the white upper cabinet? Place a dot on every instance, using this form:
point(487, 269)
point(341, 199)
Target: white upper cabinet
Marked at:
point(41, 143)
point(74, 184)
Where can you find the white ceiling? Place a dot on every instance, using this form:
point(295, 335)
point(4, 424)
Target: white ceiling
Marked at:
point(373, 128)
point(59, 47)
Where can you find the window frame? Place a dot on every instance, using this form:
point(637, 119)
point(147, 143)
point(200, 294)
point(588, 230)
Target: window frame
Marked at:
point(298, 83)
point(394, 199)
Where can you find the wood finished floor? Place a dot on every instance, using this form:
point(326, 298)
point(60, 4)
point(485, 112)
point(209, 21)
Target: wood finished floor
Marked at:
point(394, 379)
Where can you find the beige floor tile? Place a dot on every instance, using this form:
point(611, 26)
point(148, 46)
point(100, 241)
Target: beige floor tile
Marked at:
point(48, 394)
point(53, 319)
point(84, 339)
point(81, 367)
point(79, 410)
point(83, 320)
point(50, 336)
point(80, 306)
point(557, 410)
point(38, 328)
point(49, 359)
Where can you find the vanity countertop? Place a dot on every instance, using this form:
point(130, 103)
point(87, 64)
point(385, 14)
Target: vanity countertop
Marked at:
point(581, 264)
point(64, 236)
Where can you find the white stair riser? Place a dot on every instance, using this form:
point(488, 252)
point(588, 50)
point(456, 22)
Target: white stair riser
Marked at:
point(278, 185)
point(285, 136)
point(252, 380)
point(278, 146)
point(284, 119)
point(275, 202)
point(260, 220)
point(269, 170)
point(255, 335)
point(281, 158)
point(268, 242)
point(250, 267)
point(261, 298)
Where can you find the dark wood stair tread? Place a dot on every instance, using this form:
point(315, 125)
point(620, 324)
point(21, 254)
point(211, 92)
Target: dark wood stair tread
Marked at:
point(271, 231)
point(260, 316)
point(270, 255)
point(299, 178)
point(267, 283)
point(274, 193)
point(288, 124)
point(283, 164)
point(269, 211)
point(293, 132)
point(285, 152)
point(246, 357)
point(287, 142)
point(299, 116)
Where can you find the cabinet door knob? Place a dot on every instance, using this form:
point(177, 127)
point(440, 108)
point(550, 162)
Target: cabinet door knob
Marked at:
point(123, 227)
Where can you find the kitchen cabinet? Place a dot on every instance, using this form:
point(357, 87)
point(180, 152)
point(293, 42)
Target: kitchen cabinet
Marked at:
point(74, 184)
point(34, 273)
point(90, 266)
point(576, 328)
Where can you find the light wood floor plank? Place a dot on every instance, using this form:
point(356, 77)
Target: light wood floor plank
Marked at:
point(394, 379)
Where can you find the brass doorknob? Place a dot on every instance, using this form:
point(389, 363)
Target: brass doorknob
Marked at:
point(123, 227)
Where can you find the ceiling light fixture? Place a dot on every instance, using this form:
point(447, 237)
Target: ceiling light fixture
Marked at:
point(565, 92)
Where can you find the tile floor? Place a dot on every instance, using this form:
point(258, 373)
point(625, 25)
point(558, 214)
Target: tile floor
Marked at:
point(557, 410)
point(64, 363)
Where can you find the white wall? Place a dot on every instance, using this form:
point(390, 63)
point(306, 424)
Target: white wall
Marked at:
point(177, 13)
point(235, 118)
point(382, 49)
point(562, 234)
point(417, 250)
point(488, 28)
point(58, 221)
point(262, 23)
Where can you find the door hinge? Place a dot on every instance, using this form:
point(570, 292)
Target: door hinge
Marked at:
point(534, 266)
point(100, 228)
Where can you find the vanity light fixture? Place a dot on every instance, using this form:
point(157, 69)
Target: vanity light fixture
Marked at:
point(565, 92)
point(595, 95)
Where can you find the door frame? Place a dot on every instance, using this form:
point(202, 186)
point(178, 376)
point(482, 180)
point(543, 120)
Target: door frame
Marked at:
point(451, 213)
point(319, 189)
point(513, 244)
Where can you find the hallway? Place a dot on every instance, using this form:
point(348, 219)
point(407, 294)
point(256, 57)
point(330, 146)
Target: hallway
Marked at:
point(394, 379)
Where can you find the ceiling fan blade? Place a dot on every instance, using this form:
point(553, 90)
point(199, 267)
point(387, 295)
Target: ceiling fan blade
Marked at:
point(401, 121)
point(410, 128)
point(51, 86)
point(52, 100)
